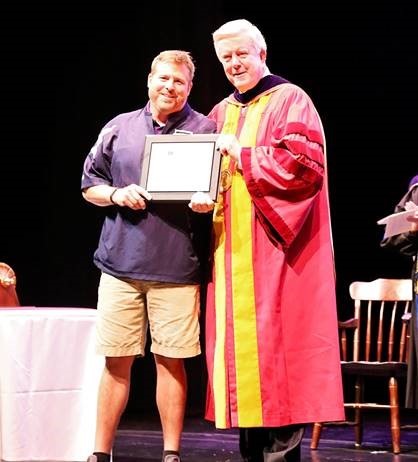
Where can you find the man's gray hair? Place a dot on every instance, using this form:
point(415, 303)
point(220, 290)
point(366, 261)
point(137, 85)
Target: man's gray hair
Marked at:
point(240, 27)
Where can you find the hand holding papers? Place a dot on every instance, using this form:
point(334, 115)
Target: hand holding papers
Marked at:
point(401, 222)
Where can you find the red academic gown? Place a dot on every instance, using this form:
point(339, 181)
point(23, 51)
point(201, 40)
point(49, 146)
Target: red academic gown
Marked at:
point(271, 320)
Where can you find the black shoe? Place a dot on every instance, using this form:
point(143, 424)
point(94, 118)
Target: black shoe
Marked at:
point(99, 457)
point(168, 458)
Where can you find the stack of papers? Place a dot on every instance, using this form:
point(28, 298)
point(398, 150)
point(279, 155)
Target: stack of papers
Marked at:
point(397, 223)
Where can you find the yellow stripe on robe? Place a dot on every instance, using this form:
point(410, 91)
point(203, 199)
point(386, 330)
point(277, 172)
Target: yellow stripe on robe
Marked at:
point(219, 371)
point(245, 322)
point(245, 326)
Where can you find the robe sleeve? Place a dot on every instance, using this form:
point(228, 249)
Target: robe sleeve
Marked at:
point(285, 175)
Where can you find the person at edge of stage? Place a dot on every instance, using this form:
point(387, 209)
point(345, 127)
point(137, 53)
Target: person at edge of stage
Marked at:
point(271, 319)
point(148, 254)
point(407, 244)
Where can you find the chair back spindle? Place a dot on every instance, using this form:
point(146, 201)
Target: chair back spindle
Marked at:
point(375, 343)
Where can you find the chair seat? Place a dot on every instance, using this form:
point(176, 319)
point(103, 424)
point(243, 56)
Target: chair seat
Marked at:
point(372, 368)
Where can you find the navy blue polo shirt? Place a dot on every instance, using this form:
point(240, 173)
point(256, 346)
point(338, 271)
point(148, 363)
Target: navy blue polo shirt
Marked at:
point(155, 244)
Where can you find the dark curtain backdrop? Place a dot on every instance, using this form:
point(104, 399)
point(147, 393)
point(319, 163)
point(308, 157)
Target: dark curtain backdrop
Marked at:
point(67, 69)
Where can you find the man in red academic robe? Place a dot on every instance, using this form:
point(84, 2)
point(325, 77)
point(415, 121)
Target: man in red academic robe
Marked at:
point(271, 338)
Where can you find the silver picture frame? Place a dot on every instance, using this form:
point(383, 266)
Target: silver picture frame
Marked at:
point(174, 167)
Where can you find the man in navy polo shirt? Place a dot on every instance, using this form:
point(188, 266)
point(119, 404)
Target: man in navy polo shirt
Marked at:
point(148, 258)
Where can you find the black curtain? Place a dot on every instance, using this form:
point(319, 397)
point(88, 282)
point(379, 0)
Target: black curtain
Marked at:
point(67, 69)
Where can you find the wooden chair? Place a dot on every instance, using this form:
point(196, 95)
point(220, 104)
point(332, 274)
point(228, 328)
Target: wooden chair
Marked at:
point(8, 295)
point(374, 343)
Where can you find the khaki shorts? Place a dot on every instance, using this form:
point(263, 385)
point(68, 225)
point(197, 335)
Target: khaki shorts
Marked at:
point(126, 306)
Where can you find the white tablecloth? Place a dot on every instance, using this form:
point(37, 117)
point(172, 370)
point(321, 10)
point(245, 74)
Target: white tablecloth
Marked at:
point(49, 377)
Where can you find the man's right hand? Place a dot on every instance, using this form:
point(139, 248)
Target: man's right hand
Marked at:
point(414, 218)
point(132, 196)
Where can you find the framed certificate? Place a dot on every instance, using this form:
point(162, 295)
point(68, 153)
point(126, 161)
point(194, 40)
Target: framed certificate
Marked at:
point(174, 167)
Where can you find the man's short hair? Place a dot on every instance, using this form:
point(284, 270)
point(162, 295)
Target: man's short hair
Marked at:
point(240, 27)
point(174, 56)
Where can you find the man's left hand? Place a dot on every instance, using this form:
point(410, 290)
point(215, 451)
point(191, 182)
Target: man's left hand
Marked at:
point(228, 145)
point(201, 202)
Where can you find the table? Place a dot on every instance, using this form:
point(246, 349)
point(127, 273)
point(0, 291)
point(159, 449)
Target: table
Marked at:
point(49, 377)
